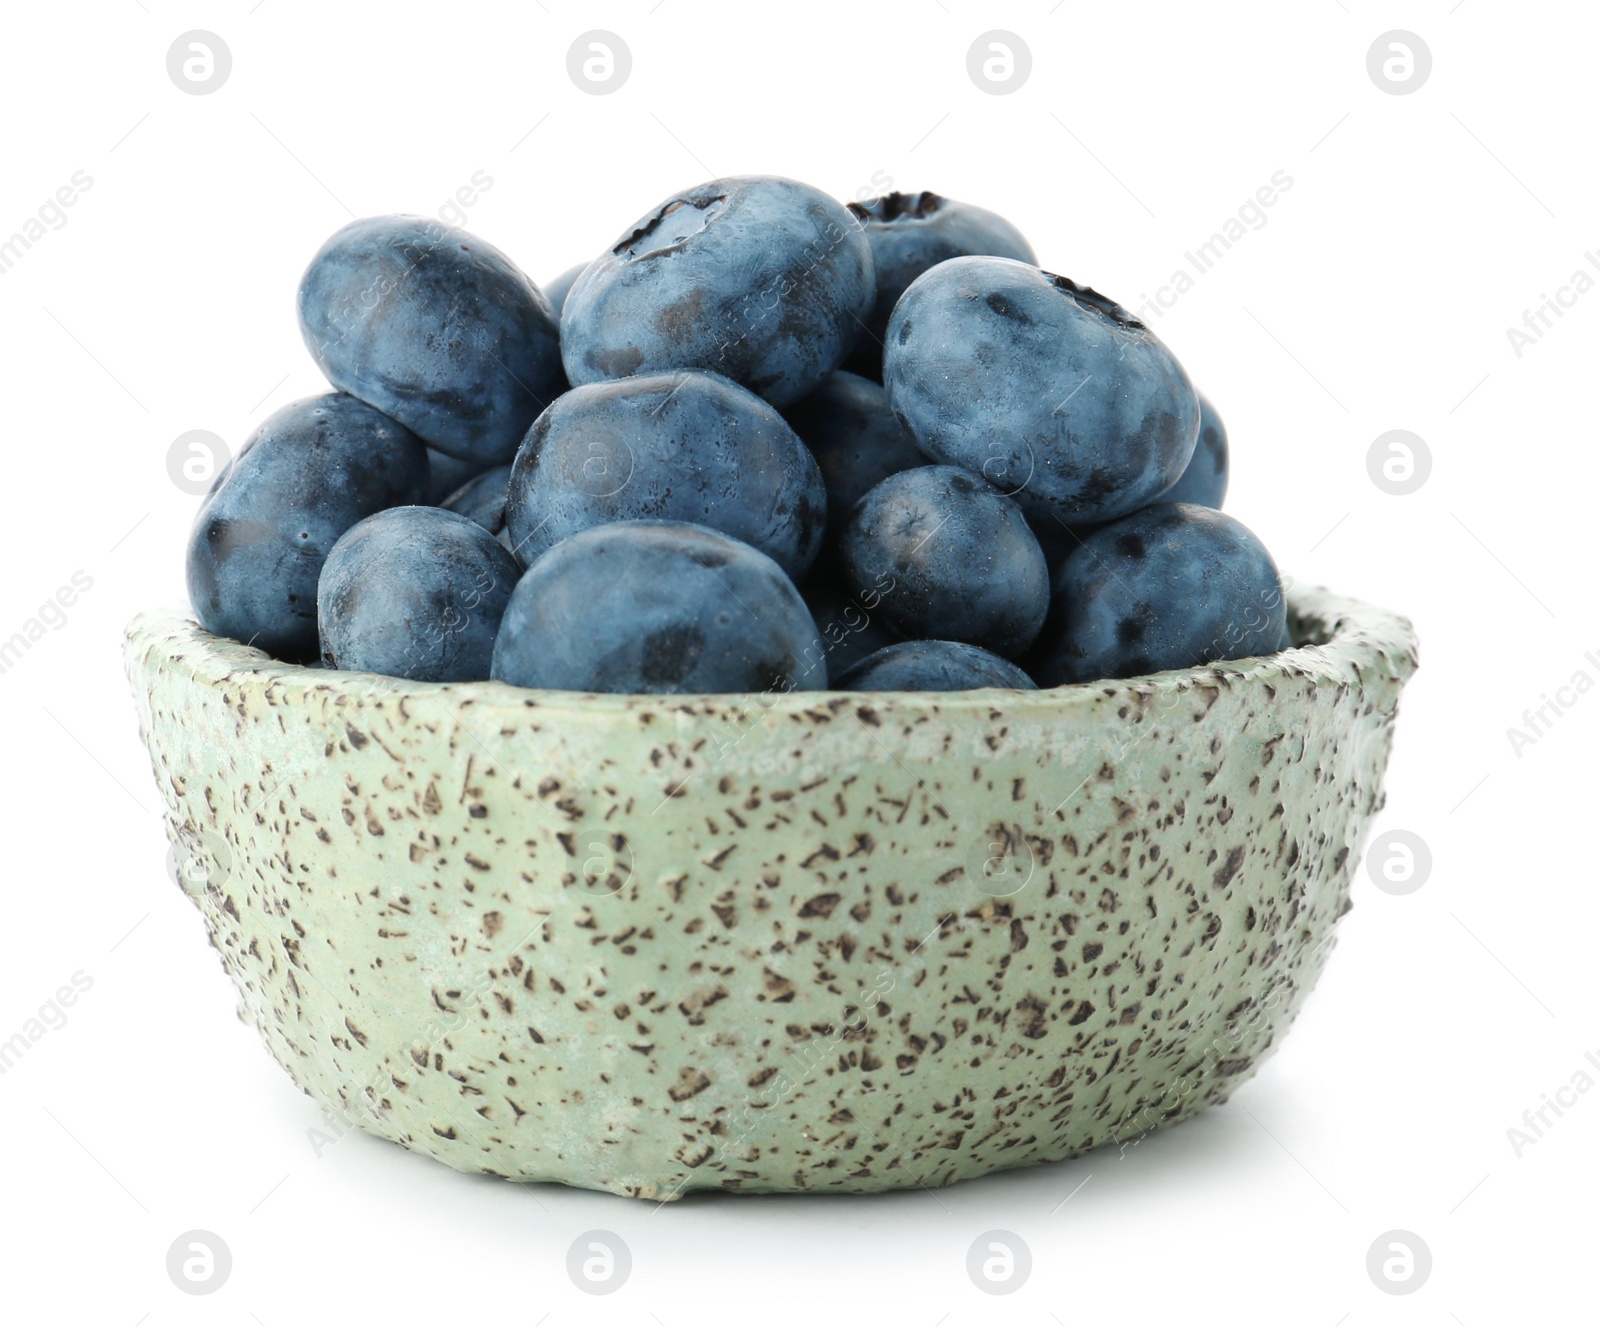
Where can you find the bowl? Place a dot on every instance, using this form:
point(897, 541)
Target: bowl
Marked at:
point(820, 941)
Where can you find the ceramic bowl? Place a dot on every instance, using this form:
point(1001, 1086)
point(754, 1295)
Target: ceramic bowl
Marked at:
point(822, 941)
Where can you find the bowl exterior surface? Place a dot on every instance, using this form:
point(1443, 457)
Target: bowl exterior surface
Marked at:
point(821, 941)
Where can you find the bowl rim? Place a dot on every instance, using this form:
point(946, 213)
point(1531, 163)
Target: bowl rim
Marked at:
point(1345, 640)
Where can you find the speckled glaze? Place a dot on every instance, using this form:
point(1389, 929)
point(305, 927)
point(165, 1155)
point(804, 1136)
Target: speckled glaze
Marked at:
point(820, 942)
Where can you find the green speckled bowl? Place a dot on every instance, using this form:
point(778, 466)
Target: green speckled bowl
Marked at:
point(825, 941)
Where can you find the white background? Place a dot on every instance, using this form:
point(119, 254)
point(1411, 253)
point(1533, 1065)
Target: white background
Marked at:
point(1378, 296)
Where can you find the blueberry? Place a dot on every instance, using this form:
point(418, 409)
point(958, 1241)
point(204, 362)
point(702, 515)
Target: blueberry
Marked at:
point(1172, 586)
point(556, 291)
point(758, 278)
point(659, 607)
point(676, 447)
point(1055, 539)
point(951, 558)
point(435, 328)
point(1205, 482)
point(933, 665)
point(910, 233)
point(447, 473)
point(1045, 388)
point(414, 592)
point(855, 437)
point(850, 625)
point(483, 499)
point(310, 472)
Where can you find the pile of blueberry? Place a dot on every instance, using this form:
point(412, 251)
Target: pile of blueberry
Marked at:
point(763, 442)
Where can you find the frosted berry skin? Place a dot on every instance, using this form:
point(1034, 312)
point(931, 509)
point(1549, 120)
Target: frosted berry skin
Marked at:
point(680, 447)
point(910, 233)
point(1050, 391)
point(1172, 586)
point(850, 624)
point(855, 437)
point(414, 592)
point(447, 473)
point(658, 607)
point(761, 279)
point(556, 291)
point(435, 328)
point(1205, 482)
point(950, 557)
point(304, 477)
point(1055, 539)
point(933, 665)
point(483, 499)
